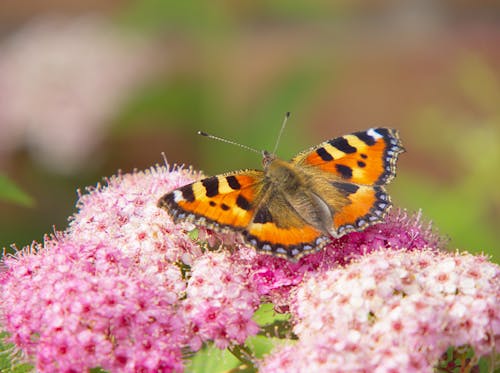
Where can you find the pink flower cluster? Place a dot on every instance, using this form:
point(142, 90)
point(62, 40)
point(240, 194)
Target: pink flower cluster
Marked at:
point(220, 301)
point(74, 307)
point(392, 311)
point(111, 290)
point(125, 212)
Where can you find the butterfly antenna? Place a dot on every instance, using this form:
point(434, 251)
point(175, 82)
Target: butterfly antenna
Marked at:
point(287, 115)
point(228, 141)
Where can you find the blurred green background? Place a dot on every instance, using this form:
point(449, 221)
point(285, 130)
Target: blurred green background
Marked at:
point(89, 87)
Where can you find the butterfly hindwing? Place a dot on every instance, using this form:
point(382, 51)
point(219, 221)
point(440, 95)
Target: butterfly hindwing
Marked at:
point(356, 166)
point(279, 230)
point(365, 157)
point(223, 201)
point(367, 205)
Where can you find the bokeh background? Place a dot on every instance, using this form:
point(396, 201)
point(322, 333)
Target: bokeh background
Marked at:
point(91, 87)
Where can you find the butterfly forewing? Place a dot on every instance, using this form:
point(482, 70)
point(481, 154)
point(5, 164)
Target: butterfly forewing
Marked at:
point(357, 166)
point(223, 201)
point(366, 157)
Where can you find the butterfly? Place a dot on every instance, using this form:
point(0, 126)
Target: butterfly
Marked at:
point(294, 208)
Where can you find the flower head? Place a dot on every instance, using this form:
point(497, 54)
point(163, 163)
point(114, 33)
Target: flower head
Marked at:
point(77, 306)
point(220, 301)
point(124, 284)
point(385, 308)
point(125, 212)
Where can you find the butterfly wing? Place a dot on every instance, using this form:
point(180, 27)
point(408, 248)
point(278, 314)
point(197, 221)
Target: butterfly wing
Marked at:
point(348, 174)
point(278, 229)
point(366, 206)
point(365, 157)
point(221, 202)
point(243, 201)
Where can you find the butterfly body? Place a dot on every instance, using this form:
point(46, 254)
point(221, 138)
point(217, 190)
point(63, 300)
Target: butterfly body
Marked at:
point(294, 208)
point(300, 189)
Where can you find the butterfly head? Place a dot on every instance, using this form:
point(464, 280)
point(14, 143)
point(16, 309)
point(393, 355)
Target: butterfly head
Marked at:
point(267, 159)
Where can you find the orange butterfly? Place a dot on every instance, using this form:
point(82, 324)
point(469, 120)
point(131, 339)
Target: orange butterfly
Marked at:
point(294, 208)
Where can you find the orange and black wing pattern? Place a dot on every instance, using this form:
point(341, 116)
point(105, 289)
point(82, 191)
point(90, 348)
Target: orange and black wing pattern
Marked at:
point(218, 202)
point(279, 230)
point(365, 157)
point(357, 165)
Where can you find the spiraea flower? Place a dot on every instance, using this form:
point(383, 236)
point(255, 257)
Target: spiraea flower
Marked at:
point(392, 311)
point(124, 284)
point(125, 212)
point(71, 307)
point(220, 301)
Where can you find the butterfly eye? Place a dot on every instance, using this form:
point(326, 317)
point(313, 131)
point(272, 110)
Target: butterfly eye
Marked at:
point(267, 158)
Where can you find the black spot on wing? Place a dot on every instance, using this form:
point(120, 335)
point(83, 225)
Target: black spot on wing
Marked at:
point(344, 171)
point(211, 185)
point(384, 132)
point(324, 155)
point(243, 203)
point(365, 137)
point(263, 216)
point(224, 207)
point(166, 200)
point(341, 144)
point(212, 203)
point(361, 164)
point(346, 188)
point(187, 193)
point(364, 156)
point(233, 182)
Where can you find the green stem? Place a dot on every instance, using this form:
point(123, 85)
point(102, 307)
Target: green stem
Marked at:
point(243, 354)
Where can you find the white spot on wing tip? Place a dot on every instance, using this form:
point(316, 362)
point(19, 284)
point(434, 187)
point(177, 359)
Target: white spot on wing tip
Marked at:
point(373, 133)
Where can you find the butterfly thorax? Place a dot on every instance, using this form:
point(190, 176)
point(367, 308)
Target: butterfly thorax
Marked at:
point(281, 173)
point(286, 185)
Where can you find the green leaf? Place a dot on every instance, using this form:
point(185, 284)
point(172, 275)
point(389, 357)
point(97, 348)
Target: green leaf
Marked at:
point(10, 192)
point(211, 360)
point(266, 315)
point(9, 358)
point(261, 345)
